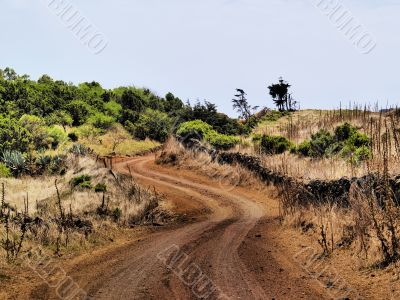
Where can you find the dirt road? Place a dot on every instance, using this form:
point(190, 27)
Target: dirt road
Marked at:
point(231, 247)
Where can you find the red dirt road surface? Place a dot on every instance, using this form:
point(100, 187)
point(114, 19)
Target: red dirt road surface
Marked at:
point(231, 250)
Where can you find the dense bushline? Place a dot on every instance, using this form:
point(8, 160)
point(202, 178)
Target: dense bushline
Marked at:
point(39, 115)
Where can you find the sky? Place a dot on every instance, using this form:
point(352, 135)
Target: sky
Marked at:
point(205, 49)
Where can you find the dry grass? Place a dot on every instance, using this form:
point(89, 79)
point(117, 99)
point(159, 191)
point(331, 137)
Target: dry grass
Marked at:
point(300, 125)
point(116, 141)
point(86, 217)
point(227, 175)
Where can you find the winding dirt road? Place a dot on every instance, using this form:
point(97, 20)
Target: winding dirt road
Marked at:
point(221, 255)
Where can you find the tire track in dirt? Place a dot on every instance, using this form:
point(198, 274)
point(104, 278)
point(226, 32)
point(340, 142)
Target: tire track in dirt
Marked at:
point(133, 270)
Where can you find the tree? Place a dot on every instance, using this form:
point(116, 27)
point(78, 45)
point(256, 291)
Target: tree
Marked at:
point(153, 124)
point(280, 95)
point(242, 106)
point(36, 126)
point(59, 117)
point(132, 101)
point(172, 104)
point(10, 74)
point(119, 135)
point(79, 111)
point(13, 136)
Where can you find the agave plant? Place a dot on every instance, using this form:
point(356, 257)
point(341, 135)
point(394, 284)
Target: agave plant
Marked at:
point(79, 149)
point(15, 161)
point(57, 163)
point(42, 161)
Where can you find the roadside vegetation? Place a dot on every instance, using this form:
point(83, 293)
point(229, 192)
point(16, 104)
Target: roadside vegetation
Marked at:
point(72, 212)
point(334, 146)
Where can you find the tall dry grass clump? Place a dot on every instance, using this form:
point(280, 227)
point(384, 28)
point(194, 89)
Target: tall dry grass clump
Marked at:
point(70, 212)
point(174, 153)
point(370, 222)
point(301, 125)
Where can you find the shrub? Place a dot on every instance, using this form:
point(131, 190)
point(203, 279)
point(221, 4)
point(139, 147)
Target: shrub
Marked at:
point(5, 171)
point(113, 109)
point(79, 111)
point(73, 136)
point(152, 124)
point(100, 188)
point(36, 126)
point(221, 141)
point(202, 131)
point(101, 121)
point(13, 136)
point(343, 132)
point(362, 153)
point(358, 139)
point(87, 131)
point(347, 141)
point(320, 142)
point(117, 214)
point(274, 115)
point(57, 164)
point(196, 128)
point(304, 148)
point(82, 181)
point(274, 144)
point(57, 136)
point(59, 118)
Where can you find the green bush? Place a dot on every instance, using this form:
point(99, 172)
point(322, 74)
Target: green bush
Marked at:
point(57, 165)
point(79, 111)
point(343, 132)
point(100, 188)
point(5, 171)
point(361, 154)
point(87, 130)
point(101, 121)
point(113, 109)
point(153, 124)
point(358, 139)
point(13, 136)
point(304, 148)
point(200, 130)
point(73, 136)
point(274, 115)
point(42, 162)
point(347, 141)
point(221, 141)
point(196, 127)
point(117, 214)
point(82, 181)
point(274, 144)
point(36, 126)
point(57, 136)
point(320, 142)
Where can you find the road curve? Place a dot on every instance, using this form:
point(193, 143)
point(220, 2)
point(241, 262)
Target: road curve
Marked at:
point(210, 246)
point(192, 261)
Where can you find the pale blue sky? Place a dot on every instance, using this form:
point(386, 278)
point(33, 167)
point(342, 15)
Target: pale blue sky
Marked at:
point(204, 49)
